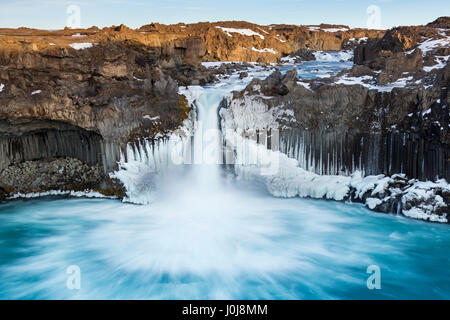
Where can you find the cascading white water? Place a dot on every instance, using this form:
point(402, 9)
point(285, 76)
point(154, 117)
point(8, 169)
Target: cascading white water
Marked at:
point(180, 159)
point(207, 141)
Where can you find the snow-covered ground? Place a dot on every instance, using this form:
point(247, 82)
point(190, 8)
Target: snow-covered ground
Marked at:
point(441, 62)
point(431, 44)
point(244, 32)
point(314, 28)
point(77, 35)
point(369, 82)
point(81, 45)
point(265, 50)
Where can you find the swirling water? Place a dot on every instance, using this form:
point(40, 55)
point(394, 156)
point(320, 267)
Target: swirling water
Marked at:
point(224, 244)
point(209, 238)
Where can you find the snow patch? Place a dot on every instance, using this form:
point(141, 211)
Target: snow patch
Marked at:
point(422, 200)
point(81, 45)
point(304, 84)
point(441, 62)
point(245, 32)
point(354, 80)
point(262, 30)
point(430, 44)
point(363, 39)
point(288, 60)
point(335, 29)
point(367, 81)
point(151, 118)
point(265, 50)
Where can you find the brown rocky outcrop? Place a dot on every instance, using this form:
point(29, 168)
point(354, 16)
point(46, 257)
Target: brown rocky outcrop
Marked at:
point(337, 129)
point(227, 40)
point(441, 22)
point(391, 130)
point(397, 51)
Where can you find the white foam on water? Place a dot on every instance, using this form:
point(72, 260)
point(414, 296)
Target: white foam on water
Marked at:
point(333, 56)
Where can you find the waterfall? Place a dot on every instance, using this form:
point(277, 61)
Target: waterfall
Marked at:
point(207, 140)
point(192, 153)
point(148, 166)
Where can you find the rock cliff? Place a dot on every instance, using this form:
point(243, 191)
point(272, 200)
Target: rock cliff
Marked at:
point(386, 115)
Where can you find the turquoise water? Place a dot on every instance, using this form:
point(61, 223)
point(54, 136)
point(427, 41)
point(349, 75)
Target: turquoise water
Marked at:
point(309, 70)
point(237, 245)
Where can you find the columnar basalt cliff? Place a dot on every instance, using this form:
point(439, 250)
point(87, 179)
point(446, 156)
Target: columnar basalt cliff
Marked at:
point(387, 115)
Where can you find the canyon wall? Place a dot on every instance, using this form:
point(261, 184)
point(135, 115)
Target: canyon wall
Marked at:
point(244, 41)
point(371, 133)
point(85, 94)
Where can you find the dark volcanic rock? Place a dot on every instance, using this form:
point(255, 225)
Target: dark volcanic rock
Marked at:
point(442, 22)
point(57, 174)
point(404, 130)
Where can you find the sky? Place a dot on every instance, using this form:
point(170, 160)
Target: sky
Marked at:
point(383, 14)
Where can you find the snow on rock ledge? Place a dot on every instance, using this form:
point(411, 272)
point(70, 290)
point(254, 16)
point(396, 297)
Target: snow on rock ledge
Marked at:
point(413, 198)
point(283, 176)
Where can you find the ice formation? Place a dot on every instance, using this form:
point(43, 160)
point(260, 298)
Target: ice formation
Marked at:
point(146, 161)
point(285, 176)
